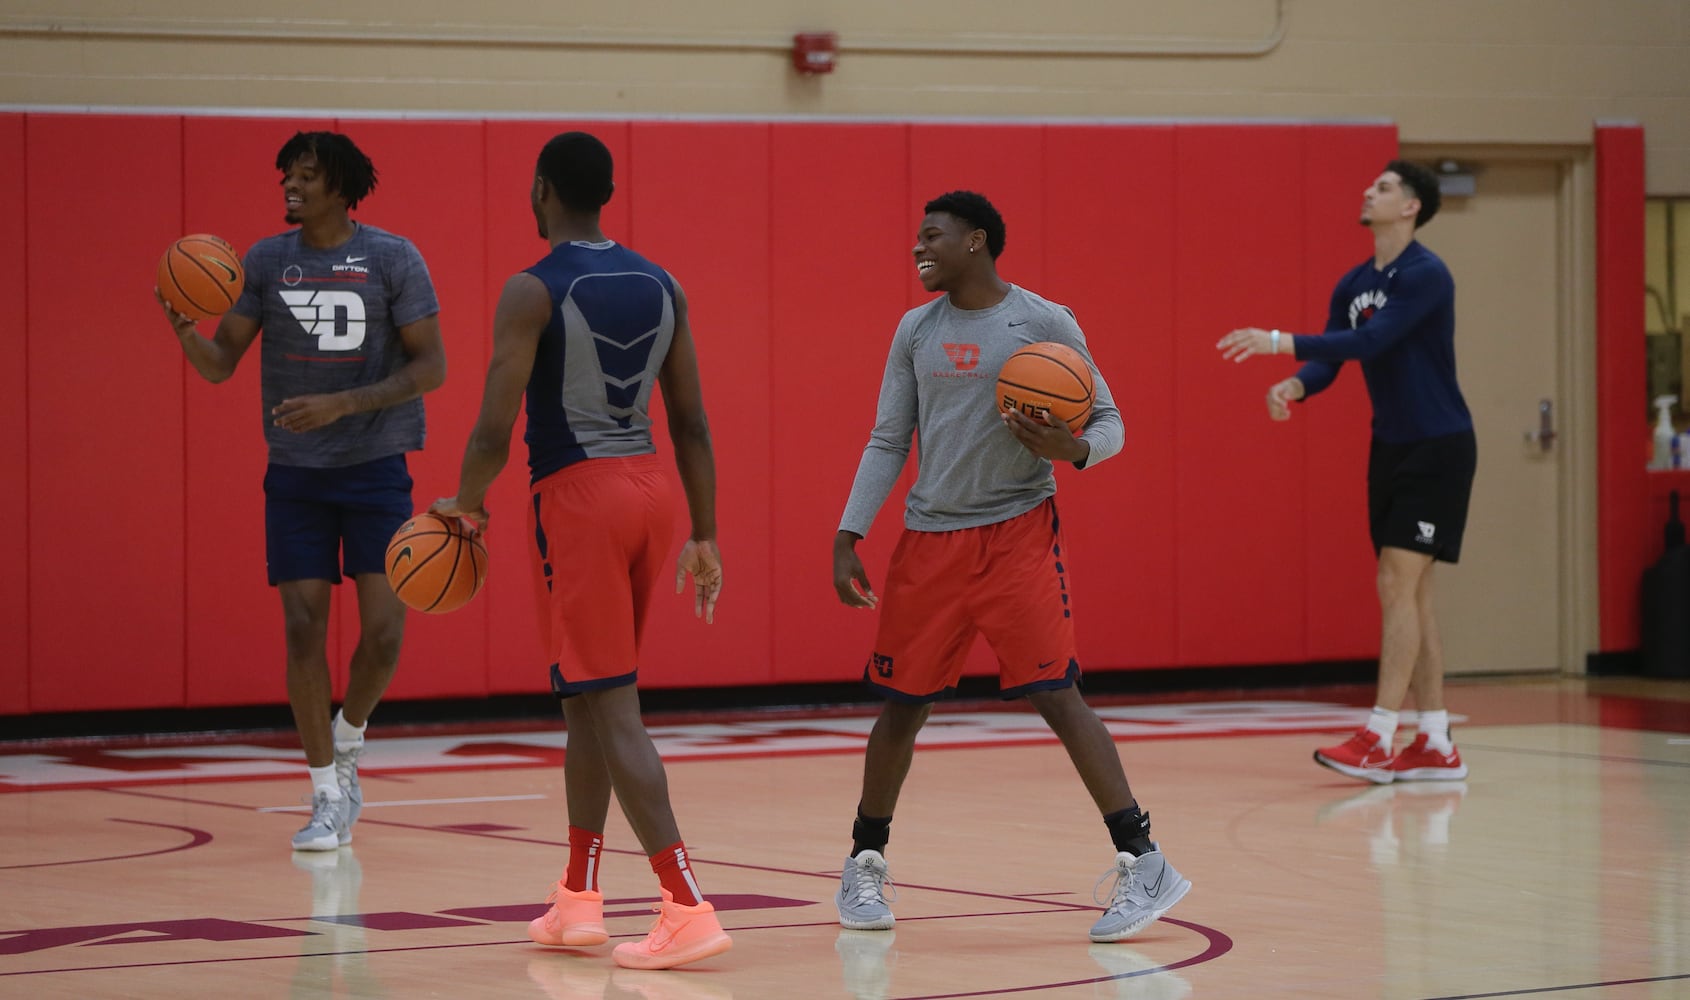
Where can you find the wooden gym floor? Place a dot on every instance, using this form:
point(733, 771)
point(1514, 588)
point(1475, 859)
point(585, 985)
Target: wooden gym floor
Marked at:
point(1559, 869)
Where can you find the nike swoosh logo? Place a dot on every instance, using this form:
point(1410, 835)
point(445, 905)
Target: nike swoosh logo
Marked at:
point(353, 260)
point(1152, 890)
point(1017, 322)
point(221, 265)
point(1046, 664)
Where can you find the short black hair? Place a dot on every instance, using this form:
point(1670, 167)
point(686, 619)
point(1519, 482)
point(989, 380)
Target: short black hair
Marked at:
point(579, 168)
point(1423, 184)
point(972, 208)
point(346, 170)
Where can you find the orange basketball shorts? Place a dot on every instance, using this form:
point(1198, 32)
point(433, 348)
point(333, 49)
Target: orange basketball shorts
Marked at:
point(601, 530)
point(1007, 581)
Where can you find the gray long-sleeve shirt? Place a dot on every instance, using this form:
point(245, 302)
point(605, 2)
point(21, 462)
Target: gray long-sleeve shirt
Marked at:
point(941, 384)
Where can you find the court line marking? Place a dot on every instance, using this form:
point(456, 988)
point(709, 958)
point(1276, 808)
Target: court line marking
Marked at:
point(414, 802)
point(1218, 944)
point(1606, 758)
point(1561, 989)
point(196, 838)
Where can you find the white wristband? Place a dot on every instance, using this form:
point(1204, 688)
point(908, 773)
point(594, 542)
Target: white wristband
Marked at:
point(1275, 335)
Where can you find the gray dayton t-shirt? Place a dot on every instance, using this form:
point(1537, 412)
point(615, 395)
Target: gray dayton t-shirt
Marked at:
point(940, 386)
point(330, 321)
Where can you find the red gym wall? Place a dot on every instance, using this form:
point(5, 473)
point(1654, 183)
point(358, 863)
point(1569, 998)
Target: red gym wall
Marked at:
point(136, 564)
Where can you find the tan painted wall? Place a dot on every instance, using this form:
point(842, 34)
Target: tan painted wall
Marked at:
point(1447, 71)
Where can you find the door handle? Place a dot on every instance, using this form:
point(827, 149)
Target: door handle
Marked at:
point(1545, 434)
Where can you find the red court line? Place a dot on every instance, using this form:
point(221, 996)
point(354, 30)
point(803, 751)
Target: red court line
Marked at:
point(196, 838)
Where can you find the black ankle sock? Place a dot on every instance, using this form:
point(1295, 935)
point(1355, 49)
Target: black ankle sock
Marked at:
point(870, 833)
point(1130, 830)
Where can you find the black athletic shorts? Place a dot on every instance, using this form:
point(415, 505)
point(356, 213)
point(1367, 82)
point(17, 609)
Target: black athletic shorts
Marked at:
point(1417, 494)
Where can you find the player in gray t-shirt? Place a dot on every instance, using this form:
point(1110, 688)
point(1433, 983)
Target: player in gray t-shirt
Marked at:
point(981, 553)
point(351, 342)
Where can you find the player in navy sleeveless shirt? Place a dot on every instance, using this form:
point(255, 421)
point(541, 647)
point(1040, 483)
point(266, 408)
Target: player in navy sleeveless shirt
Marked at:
point(586, 334)
point(351, 343)
point(1396, 315)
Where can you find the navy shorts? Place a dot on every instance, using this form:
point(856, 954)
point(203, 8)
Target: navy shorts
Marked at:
point(1417, 494)
point(313, 516)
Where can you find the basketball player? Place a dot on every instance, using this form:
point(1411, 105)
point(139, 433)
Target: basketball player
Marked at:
point(1396, 315)
point(588, 332)
point(981, 551)
point(351, 343)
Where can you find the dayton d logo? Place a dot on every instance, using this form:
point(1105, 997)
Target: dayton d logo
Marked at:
point(964, 356)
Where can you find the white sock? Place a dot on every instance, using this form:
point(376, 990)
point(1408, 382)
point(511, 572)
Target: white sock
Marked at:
point(1435, 727)
point(323, 778)
point(1384, 723)
point(345, 733)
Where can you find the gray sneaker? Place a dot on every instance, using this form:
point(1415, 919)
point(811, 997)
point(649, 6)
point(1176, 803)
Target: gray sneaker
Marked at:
point(862, 894)
point(328, 828)
point(1145, 888)
point(346, 772)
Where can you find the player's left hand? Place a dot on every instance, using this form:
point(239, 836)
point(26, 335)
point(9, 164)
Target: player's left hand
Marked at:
point(1049, 438)
point(450, 507)
point(307, 413)
point(704, 561)
point(1241, 344)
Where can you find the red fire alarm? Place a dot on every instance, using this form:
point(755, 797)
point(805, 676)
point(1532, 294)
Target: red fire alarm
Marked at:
point(814, 51)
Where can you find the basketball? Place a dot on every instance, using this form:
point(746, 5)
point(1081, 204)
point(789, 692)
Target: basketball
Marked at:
point(433, 565)
point(200, 276)
point(1047, 377)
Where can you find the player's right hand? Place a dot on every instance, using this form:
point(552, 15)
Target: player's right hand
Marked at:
point(1280, 397)
point(850, 581)
point(183, 324)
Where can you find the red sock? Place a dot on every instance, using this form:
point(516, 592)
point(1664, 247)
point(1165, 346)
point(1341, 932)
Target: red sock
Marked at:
point(584, 848)
point(675, 874)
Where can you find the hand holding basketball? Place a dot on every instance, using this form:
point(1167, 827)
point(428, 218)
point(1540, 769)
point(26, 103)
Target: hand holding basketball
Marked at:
point(200, 276)
point(1047, 377)
point(1047, 437)
point(450, 507)
point(434, 565)
point(184, 324)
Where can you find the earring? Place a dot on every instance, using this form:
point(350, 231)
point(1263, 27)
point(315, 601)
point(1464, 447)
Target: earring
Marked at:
point(970, 249)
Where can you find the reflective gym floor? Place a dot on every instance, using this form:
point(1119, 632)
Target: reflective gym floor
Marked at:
point(1559, 869)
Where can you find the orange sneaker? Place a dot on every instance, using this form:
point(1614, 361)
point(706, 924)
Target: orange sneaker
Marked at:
point(681, 934)
point(1418, 762)
point(576, 919)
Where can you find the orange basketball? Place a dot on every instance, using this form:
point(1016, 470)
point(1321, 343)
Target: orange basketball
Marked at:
point(433, 565)
point(1047, 377)
point(200, 276)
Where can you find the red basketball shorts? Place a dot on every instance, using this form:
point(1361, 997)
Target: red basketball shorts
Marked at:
point(1006, 581)
point(601, 530)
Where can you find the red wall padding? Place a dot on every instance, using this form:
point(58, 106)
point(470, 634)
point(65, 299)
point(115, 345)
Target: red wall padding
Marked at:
point(1216, 537)
point(1628, 538)
point(106, 478)
point(1108, 192)
point(14, 415)
point(1239, 499)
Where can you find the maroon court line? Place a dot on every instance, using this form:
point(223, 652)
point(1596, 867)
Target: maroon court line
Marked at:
point(1559, 989)
point(1218, 945)
point(745, 866)
point(197, 838)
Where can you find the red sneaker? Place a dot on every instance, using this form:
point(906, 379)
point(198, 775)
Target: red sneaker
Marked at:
point(1363, 756)
point(1418, 762)
point(576, 919)
point(682, 934)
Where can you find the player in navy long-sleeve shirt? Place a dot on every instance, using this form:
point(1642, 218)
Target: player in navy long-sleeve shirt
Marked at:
point(1395, 314)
